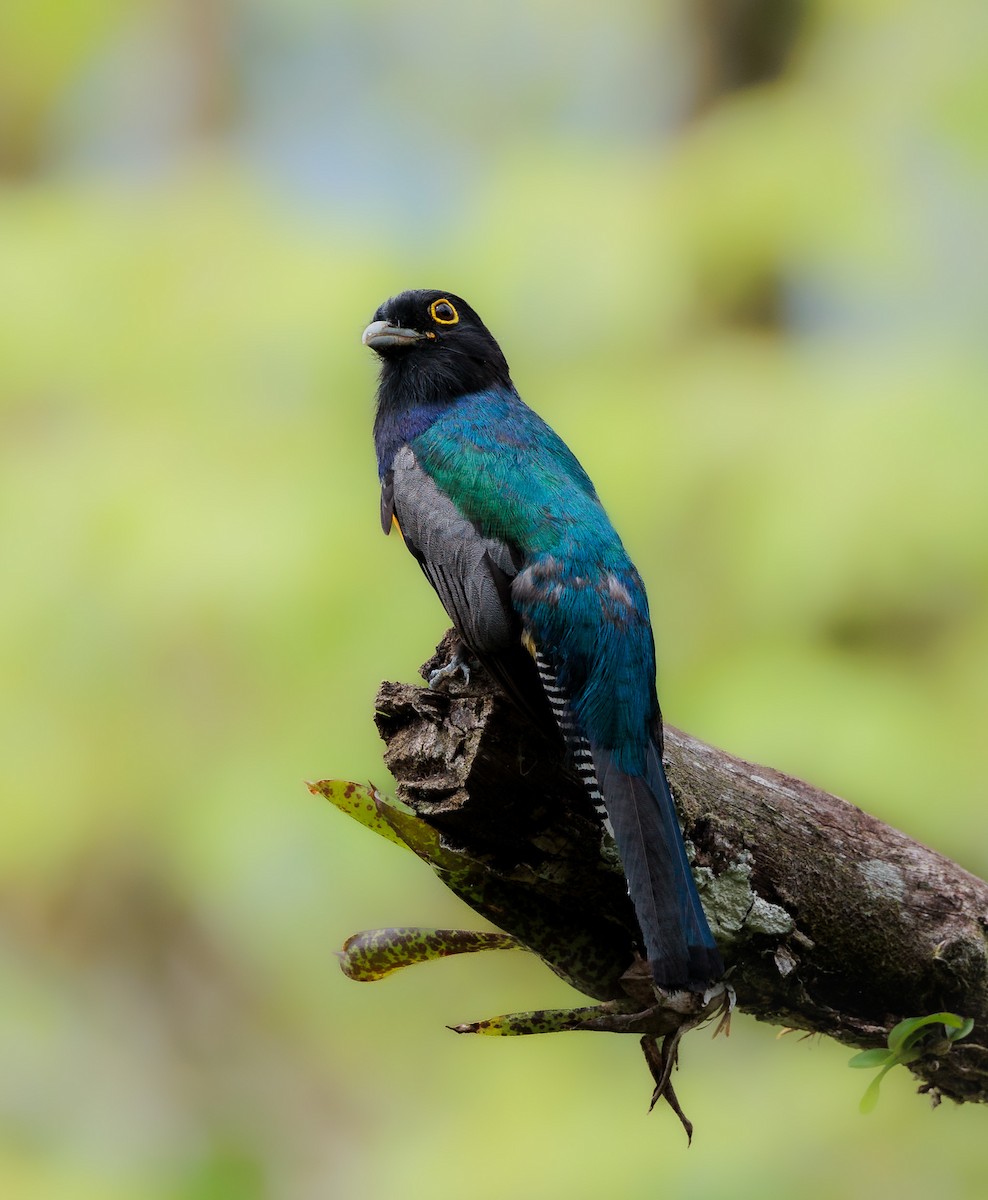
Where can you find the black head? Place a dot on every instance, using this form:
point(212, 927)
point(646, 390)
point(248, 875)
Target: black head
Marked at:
point(433, 349)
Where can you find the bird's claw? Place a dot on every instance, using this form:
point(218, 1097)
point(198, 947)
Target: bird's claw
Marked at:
point(457, 665)
point(727, 1000)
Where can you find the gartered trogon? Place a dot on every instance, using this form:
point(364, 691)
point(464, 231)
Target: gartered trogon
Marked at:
point(509, 530)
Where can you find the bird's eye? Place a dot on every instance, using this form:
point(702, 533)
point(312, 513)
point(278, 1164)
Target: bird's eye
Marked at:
point(443, 313)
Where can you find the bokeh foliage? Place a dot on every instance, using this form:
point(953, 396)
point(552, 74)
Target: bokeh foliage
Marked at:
point(200, 207)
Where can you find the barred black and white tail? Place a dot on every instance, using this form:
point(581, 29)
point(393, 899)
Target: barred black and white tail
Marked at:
point(576, 744)
point(639, 811)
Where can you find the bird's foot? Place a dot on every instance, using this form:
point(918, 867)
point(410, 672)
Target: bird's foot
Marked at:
point(725, 997)
point(457, 665)
point(662, 1056)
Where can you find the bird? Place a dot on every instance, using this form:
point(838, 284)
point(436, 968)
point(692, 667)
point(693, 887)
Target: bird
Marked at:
point(509, 530)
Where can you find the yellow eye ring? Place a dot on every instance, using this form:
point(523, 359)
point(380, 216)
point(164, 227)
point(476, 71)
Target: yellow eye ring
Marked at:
point(443, 313)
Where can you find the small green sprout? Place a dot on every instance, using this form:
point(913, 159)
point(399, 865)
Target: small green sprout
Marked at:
point(904, 1047)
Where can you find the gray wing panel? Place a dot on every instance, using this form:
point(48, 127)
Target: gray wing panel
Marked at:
point(472, 574)
point(387, 501)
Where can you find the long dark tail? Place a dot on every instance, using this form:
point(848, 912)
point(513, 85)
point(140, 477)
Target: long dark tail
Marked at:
point(680, 947)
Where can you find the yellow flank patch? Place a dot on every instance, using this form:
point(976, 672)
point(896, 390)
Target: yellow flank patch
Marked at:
point(528, 642)
point(395, 525)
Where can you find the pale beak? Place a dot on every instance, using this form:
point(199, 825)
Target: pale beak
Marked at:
point(379, 334)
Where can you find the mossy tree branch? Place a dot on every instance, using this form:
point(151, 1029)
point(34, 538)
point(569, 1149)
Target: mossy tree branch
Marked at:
point(830, 921)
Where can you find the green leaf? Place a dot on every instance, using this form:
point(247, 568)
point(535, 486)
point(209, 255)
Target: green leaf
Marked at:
point(870, 1058)
point(544, 1020)
point(364, 804)
point(957, 1033)
point(377, 953)
point(613, 1016)
point(904, 1035)
point(904, 1048)
point(870, 1098)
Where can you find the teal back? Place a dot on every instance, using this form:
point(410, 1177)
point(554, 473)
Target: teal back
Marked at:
point(585, 606)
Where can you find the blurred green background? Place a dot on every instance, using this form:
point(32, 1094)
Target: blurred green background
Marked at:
point(736, 254)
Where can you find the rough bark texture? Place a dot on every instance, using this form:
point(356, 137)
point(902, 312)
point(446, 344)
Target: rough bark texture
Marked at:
point(829, 920)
